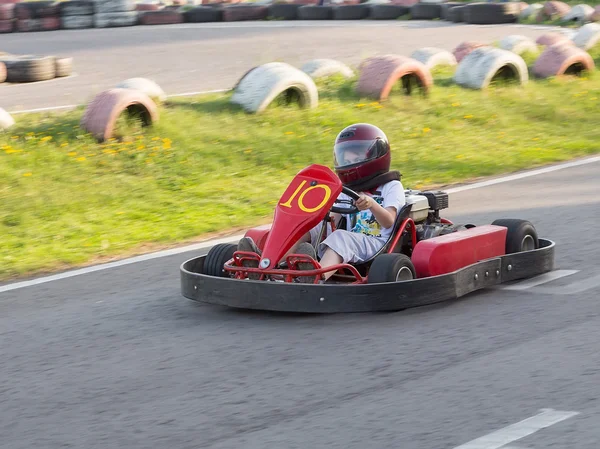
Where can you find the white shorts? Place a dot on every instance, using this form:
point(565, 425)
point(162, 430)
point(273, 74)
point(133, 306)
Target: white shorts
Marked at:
point(353, 247)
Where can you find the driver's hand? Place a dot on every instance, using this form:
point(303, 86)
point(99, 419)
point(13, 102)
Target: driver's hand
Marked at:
point(364, 202)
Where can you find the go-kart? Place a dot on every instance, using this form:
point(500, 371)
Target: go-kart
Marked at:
point(426, 259)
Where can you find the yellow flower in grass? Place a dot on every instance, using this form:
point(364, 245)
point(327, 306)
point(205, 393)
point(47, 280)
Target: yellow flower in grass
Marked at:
point(27, 174)
point(64, 144)
point(289, 133)
point(468, 116)
point(72, 153)
point(455, 104)
point(426, 130)
point(167, 144)
point(360, 105)
point(81, 159)
point(141, 147)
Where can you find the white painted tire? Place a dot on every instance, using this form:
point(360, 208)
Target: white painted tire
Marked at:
point(530, 11)
point(479, 67)
point(587, 36)
point(146, 86)
point(318, 68)
point(259, 87)
point(432, 57)
point(518, 44)
point(115, 19)
point(579, 13)
point(6, 120)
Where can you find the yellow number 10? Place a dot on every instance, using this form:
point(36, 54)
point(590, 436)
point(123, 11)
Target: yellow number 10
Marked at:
point(301, 205)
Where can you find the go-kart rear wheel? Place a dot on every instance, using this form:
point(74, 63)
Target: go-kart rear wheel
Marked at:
point(391, 268)
point(521, 235)
point(216, 258)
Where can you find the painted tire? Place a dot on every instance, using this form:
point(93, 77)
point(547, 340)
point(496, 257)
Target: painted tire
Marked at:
point(76, 22)
point(432, 57)
point(552, 10)
point(530, 11)
point(261, 85)
point(7, 12)
point(101, 115)
point(467, 47)
point(560, 59)
point(163, 17)
point(63, 67)
point(479, 67)
point(114, 6)
point(518, 44)
point(146, 86)
point(379, 74)
point(7, 26)
point(6, 120)
point(551, 39)
point(115, 19)
point(318, 68)
point(76, 8)
point(587, 36)
point(2, 72)
point(579, 13)
point(236, 13)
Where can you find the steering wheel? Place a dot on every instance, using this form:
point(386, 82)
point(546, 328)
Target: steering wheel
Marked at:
point(351, 209)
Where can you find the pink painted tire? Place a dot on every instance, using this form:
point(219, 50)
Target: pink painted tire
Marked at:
point(552, 10)
point(163, 17)
point(101, 115)
point(7, 12)
point(379, 74)
point(147, 7)
point(7, 26)
point(562, 59)
point(465, 48)
point(551, 39)
point(596, 15)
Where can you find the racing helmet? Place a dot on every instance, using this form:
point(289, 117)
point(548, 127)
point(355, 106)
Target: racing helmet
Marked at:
point(361, 152)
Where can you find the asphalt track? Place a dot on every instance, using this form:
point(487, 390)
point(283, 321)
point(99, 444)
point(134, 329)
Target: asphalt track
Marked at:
point(199, 57)
point(117, 358)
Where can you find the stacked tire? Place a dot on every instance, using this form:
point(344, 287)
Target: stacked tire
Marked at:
point(76, 14)
point(115, 13)
point(36, 16)
point(7, 18)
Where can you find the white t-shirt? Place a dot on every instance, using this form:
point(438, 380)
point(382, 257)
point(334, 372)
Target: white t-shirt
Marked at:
point(389, 194)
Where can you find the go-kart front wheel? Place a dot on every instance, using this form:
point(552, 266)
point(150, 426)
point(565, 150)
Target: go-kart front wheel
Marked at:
point(391, 268)
point(216, 258)
point(521, 235)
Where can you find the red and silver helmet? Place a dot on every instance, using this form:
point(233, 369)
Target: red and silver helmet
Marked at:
point(361, 152)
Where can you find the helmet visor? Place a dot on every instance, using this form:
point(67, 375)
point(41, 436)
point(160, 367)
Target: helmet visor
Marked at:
point(347, 154)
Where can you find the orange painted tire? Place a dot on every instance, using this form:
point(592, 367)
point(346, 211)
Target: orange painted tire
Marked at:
point(560, 59)
point(379, 74)
point(551, 39)
point(103, 111)
point(464, 48)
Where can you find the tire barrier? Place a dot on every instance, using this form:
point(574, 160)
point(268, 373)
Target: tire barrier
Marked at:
point(351, 12)
point(446, 7)
point(491, 13)
point(29, 68)
point(432, 57)
point(379, 74)
point(115, 19)
point(518, 44)
point(314, 12)
point(236, 13)
point(101, 115)
point(562, 58)
point(146, 86)
point(318, 68)
point(485, 64)
point(284, 11)
point(163, 17)
point(425, 11)
point(456, 14)
point(63, 67)
point(385, 11)
point(260, 86)
point(587, 36)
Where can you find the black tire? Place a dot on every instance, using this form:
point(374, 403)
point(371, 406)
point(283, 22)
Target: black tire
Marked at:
point(456, 14)
point(216, 258)
point(521, 235)
point(425, 11)
point(391, 268)
point(283, 11)
point(203, 14)
point(447, 7)
point(36, 10)
point(387, 12)
point(314, 12)
point(76, 8)
point(27, 69)
point(350, 12)
point(491, 13)
point(76, 22)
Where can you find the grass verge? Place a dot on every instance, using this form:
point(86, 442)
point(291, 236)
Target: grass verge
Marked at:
point(208, 167)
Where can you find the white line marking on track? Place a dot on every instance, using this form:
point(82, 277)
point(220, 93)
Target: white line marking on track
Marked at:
point(73, 106)
point(572, 288)
point(538, 280)
point(506, 435)
point(209, 243)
